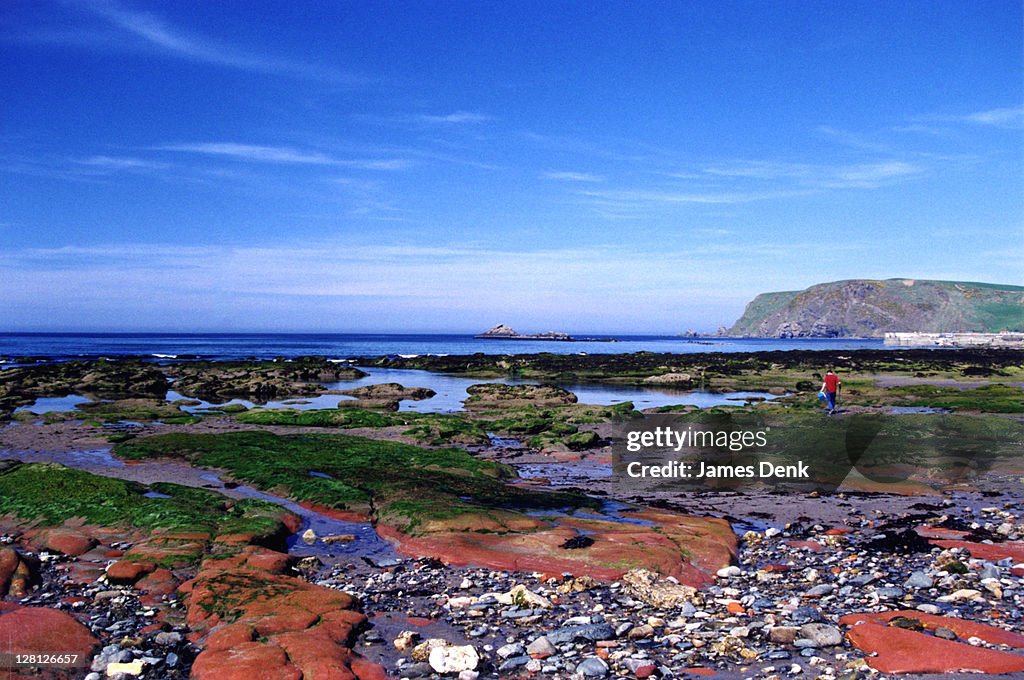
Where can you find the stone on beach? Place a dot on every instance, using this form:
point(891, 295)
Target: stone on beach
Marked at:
point(453, 658)
point(64, 540)
point(649, 587)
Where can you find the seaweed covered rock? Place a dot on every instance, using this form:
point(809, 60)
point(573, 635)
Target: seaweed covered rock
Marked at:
point(259, 381)
point(100, 379)
point(389, 392)
point(490, 395)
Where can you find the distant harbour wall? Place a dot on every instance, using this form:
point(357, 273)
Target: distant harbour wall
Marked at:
point(1014, 340)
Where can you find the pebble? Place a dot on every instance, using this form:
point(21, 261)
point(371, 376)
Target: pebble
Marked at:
point(592, 667)
point(820, 590)
point(515, 649)
point(454, 658)
point(889, 593)
point(541, 648)
point(821, 634)
point(514, 662)
point(919, 579)
point(591, 632)
point(989, 571)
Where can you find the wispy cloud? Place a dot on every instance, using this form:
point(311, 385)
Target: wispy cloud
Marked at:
point(663, 197)
point(283, 154)
point(114, 163)
point(252, 152)
point(854, 140)
point(810, 175)
point(737, 182)
point(562, 176)
point(456, 118)
point(159, 34)
point(871, 175)
point(1002, 117)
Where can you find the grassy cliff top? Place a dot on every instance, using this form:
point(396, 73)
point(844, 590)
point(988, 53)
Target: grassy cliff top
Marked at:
point(872, 307)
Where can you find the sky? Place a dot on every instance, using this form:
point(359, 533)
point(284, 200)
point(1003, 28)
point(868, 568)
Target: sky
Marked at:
point(620, 167)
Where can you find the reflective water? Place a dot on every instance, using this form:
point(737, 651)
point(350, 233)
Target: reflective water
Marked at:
point(451, 393)
point(55, 404)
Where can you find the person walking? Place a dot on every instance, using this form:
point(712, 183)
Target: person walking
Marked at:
point(831, 387)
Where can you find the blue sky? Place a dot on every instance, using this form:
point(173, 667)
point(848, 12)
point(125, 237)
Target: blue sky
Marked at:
point(444, 166)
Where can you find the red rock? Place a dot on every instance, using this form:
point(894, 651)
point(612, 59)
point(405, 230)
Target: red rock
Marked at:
point(9, 561)
point(84, 573)
point(962, 627)
point(813, 546)
point(343, 515)
point(231, 635)
point(837, 531)
point(113, 554)
point(246, 661)
point(775, 568)
point(992, 552)
point(315, 655)
point(70, 542)
point(159, 582)
point(1018, 572)
point(645, 671)
point(291, 521)
point(268, 560)
point(898, 650)
point(289, 619)
point(928, 531)
point(419, 621)
point(234, 539)
point(367, 670)
point(168, 552)
point(127, 572)
point(699, 670)
point(735, 608)
point(36, 630)
point(339, 625)
point(517, 543)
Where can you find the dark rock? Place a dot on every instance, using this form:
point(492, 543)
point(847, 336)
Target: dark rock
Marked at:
point(592, 632)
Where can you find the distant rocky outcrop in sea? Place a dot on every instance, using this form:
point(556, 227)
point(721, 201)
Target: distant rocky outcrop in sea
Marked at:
point(503, 332)
point(871, 308)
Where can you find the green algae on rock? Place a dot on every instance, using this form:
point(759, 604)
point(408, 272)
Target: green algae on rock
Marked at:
point(435, 429)
point(51, 493)
point(408, 484)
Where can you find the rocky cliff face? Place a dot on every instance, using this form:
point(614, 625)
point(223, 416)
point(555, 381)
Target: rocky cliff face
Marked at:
point(870, 308)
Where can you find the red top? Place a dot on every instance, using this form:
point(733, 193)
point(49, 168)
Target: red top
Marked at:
point(831, 382)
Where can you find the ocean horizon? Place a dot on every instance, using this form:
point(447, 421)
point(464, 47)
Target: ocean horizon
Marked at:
point(233, 345)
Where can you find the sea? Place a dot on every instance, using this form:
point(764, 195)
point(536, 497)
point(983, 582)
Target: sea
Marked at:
point(224, 346)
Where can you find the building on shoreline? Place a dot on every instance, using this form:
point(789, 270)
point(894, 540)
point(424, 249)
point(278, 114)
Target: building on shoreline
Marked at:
point(914, 339)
